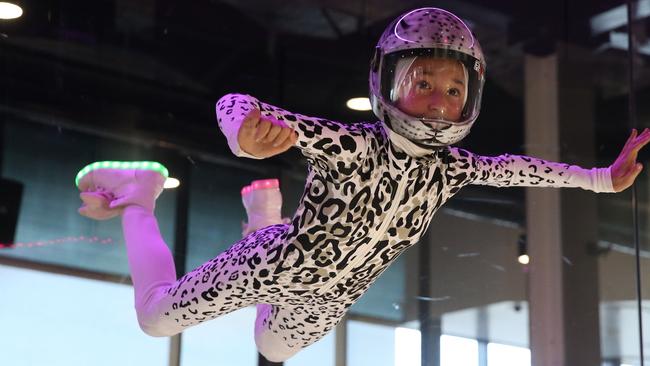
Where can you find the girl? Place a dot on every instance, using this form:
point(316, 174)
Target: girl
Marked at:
point(371, 191)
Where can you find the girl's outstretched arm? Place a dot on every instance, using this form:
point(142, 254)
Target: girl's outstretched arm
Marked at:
point(517, 170)
point(328, 145)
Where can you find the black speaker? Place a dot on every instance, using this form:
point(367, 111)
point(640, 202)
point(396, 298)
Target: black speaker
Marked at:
point(11, 193)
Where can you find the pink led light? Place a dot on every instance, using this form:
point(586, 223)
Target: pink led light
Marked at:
point(245, 190)
point(443, 10)
point(265, 184)
point(42, 243)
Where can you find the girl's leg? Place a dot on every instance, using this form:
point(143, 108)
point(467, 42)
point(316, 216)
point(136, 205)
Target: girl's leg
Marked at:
point(282, 331)
point(165, 306)
point(150, 262)
point(263, 203)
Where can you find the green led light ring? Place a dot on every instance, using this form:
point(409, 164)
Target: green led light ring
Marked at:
point(124, 165)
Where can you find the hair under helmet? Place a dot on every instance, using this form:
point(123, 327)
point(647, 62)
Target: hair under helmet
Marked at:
point(425, 32)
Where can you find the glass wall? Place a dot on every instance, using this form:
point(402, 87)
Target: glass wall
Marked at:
point(504, 276)
point(623, 310)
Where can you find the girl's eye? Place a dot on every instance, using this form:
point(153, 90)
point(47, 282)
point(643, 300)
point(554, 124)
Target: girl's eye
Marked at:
point(422, 84)
point(454, 92)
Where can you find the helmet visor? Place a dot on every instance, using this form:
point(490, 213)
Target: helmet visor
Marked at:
point(438, 85)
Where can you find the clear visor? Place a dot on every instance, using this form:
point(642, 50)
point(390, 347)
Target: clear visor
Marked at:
point(433, 86)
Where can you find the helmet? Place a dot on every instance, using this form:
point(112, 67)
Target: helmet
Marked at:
point(426, 77)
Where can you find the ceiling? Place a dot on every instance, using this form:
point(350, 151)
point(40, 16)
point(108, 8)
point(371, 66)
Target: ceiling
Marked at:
point(199, 50)
point(303, 54)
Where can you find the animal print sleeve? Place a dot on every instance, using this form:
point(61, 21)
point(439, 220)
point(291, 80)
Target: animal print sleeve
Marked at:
point(326, 144)
point(518, 170)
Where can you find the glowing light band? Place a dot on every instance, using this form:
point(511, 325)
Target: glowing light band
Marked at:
point(124, 165)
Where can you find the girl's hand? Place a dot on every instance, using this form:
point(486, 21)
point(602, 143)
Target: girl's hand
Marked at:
point(263, 137)
point(625, 169)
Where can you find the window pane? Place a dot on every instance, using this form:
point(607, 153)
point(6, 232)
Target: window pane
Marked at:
point(216, 211)
point(457, 351)
point(504, 355)
point(504, 322)
point(227, 340)
point(407, 347)
point(370, 344)
point(51, 319)
point(321, 353)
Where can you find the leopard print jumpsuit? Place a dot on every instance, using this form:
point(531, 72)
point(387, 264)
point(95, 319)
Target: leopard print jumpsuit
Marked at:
point(365, 202)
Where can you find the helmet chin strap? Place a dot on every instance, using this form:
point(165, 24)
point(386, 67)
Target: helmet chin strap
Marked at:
point(413, 146)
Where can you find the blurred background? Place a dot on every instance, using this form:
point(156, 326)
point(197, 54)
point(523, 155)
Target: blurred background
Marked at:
point(509, 276)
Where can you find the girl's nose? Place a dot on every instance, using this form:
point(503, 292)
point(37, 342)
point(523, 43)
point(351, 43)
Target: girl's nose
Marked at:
point(436, 107)
point(436, 98)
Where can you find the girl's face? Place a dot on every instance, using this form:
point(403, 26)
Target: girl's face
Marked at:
point(433, 88)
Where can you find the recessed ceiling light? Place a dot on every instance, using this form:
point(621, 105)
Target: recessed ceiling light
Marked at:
point(524, 259)
point(10, 11)
point(359, 104)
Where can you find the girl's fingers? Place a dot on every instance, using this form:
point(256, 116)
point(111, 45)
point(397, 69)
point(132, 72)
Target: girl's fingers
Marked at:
point(640, 145)
point(642, 140)
point(251, 119)
point(272, 134)
point(262, 129)
point(634, 144)
point(630, 140)
point(284, 134)
point(627, 179)
point(633, 173)
point(288, 143)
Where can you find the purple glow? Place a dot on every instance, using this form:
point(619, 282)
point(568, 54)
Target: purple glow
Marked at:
point(413, 11)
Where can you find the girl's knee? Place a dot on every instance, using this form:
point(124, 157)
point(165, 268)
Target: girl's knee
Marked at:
point(269, 344)
point(153, 323)
point(149, 310)
point(273, 348)
point(157, 329)
point(155, 326)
